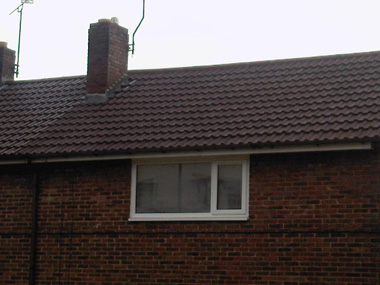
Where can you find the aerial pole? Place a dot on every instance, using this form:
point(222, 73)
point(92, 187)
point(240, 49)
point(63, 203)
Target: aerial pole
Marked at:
point(19, 10)
point(132, 46)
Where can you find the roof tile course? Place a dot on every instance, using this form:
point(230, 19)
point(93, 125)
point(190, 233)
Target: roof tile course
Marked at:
point(298, 101)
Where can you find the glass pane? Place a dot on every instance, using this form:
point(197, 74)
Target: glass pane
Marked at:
point(195, 188)
point(229, 186)
point(173, 188)
point(157, 188)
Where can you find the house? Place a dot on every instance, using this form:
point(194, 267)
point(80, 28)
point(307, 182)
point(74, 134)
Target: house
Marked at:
point(249, 173)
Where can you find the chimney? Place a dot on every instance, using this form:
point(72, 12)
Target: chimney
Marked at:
point(7, 63)
point(107, 55)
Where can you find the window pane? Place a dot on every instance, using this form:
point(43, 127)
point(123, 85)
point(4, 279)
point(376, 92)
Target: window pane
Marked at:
point(173, 188)
point(156, 189)
point(195, 188)
point(229, 186)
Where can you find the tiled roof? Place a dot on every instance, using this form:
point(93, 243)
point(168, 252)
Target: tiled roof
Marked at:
point(299, 101)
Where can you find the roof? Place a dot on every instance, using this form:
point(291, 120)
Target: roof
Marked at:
point(299, 101)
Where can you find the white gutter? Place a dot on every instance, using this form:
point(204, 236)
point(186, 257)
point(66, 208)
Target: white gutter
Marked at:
point(19, 161)
point(280, 149)
point(246, 151)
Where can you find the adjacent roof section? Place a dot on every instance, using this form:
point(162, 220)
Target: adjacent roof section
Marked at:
point(298, 101)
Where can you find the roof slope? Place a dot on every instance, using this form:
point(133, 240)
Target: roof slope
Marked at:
point(297, 101)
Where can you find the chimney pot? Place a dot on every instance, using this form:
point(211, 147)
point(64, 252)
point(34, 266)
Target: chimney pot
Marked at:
point(115, 20)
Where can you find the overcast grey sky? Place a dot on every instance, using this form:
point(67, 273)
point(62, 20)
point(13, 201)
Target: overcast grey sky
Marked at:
point(190, 32)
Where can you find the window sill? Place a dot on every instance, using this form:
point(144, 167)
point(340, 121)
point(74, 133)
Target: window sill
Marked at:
point(189, 218)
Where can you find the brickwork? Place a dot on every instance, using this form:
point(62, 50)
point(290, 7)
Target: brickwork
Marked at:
point(320, 192)
point(314, 218)
point(15, 224)
point(15, 202)
point(14, 258)
point(89, 198)
point(210, 258)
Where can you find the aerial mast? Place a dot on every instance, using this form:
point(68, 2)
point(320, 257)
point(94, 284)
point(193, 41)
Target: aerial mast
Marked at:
point(132, 46)
point(19, 10)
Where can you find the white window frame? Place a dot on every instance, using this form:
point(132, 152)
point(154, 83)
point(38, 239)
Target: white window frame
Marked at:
point(214, 214)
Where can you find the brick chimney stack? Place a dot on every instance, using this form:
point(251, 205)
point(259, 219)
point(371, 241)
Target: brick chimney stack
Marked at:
point(107, 55)
point(7, 63)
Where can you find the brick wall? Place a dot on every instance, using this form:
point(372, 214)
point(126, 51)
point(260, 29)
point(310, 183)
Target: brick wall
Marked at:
point(314, 218)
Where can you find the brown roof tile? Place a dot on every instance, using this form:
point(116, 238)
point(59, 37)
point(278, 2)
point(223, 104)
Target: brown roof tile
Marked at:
point(298, 101)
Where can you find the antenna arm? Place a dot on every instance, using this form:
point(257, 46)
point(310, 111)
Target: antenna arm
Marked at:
point(17, 9)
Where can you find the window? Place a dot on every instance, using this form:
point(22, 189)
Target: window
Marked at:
point(189, 190)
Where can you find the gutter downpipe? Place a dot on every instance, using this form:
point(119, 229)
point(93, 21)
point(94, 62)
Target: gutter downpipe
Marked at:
point(33, 243)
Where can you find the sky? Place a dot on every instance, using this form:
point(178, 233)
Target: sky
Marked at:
point(179, 33)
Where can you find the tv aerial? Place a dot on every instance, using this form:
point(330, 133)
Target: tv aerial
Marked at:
point(19, 10)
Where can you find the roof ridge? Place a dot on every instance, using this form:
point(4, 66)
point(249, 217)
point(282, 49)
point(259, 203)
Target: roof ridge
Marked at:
point(46, 79)
point(265, 61)
point(231, 64)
